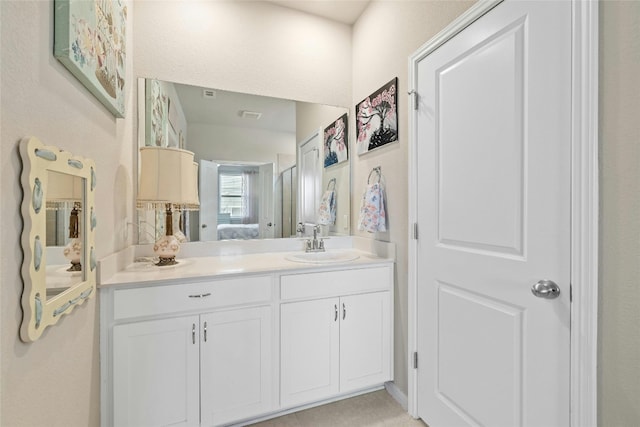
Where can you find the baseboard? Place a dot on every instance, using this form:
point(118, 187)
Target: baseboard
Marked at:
point(397, 394)
point(289, 410)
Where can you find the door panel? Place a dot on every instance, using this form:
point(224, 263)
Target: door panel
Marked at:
point(235, 364)
point(266, 206)
point(493, 202)
point(491, 186)
point(310, 178)
point(208, 200)
point(156, 373)
point(309, 354)
point(365, 334)
point(479, 345)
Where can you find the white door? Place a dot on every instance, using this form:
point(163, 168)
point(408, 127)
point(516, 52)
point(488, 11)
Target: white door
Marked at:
point(208, 193)
point(309, 178)
point(156, 375)
point(236, 362)
point(266, 207)
point(493, 200)
point(365, 337)
point(309, 351)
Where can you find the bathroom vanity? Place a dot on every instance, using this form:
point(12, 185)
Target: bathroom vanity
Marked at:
point(231, 339)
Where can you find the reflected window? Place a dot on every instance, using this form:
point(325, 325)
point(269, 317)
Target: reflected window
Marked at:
point(238, 194)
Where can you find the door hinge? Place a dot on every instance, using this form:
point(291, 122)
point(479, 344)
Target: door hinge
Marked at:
point(415, 360)
point(415, 230)
point(416, 98)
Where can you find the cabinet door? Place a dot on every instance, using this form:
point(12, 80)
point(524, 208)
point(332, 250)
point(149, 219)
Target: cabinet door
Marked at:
point(156, 373)
point(309, 352)
point(365, 340)
point(236, 364)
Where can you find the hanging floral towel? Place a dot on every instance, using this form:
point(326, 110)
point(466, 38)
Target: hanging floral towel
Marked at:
point(372, 216)
point(327, 211)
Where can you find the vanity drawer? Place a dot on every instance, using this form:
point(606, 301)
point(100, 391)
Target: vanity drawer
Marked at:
point(156, 300)
point(331, 283)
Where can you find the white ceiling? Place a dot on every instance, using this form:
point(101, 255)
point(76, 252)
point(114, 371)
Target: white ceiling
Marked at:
point(345, 11)
point(226, 109)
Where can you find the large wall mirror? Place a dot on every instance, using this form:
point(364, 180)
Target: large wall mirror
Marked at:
point(58, 238)
point(249, 150)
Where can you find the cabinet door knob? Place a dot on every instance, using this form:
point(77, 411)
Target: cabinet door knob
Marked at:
point(335, 318)
point(193, 333)
point(205, 331)
point(344, 311)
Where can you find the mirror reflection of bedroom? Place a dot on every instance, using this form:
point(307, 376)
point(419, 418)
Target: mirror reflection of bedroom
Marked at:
point(245, 147)
point(237, 201)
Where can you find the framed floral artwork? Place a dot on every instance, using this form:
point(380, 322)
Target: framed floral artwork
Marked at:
point(89, 39)
point(336, 142)
point(377, 118)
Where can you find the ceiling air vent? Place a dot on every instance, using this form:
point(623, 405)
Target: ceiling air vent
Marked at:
point(209, 93)
point(253, 115)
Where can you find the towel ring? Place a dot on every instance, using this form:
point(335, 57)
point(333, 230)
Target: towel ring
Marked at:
point(331, 181)
point(377, 171)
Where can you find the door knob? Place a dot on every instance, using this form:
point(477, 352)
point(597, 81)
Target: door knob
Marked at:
point(269, 224)
point(204, 225)
point(546, 289)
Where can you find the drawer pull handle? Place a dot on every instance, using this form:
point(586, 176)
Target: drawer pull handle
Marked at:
point(200, 295)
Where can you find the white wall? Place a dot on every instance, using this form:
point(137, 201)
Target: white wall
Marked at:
point(244, 46)
point(383, 38)
point(619, 324)
point(55, 380)
point(217, 142)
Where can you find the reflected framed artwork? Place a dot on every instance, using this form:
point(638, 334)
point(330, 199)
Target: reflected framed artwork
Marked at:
point(336, 142)
point(90, 41)
point(377, 118)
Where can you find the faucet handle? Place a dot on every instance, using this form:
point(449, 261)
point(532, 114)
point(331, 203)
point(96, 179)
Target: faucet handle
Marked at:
point(321, 245)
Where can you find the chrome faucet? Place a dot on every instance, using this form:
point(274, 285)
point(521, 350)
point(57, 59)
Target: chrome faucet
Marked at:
point(315, 245)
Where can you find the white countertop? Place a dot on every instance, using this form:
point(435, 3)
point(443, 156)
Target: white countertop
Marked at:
point(225, 265)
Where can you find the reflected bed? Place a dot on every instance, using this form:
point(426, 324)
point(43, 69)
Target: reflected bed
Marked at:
point(238, 231)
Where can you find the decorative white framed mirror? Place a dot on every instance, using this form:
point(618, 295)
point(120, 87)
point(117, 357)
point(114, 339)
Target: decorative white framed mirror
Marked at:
point(58, 195)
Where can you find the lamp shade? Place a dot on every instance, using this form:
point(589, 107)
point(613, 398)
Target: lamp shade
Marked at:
point(63, 190)
point(167, 176)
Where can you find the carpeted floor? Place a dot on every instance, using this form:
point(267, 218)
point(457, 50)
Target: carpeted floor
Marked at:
point(375, 409)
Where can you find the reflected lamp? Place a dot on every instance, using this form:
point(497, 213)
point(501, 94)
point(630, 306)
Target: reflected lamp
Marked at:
point(169, 181)
point(65, 193)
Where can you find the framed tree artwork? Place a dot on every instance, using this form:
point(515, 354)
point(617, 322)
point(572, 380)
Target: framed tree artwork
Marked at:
point(89, 39)
point(336, 142)
point(377, 118)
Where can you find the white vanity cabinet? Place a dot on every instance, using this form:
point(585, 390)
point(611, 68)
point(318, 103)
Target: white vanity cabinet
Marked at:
point(339, 344)
point(218, 350)
point(208, 368)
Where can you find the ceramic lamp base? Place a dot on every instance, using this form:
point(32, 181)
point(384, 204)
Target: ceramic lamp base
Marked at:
point(166, 249)
point(166, 261)
point(72, 252)
point(75, 266)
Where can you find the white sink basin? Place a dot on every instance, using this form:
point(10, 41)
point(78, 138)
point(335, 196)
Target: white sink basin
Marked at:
point(322, 257)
